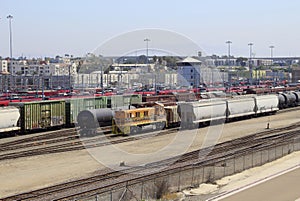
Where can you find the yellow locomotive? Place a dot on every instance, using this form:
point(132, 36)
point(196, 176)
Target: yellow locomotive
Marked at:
point(133, 121)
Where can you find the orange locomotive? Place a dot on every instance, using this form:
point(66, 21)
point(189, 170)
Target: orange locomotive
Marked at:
point(135, 120)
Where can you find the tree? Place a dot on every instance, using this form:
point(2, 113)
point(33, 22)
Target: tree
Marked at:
point(241, 68)
point(171, 61)
point(154, 58)
point(160, 60)
point(214, 56)
point(142, 59)
point(242, 61)
point(80, 62)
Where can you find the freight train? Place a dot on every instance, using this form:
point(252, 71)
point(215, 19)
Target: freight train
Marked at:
point(43, 115)
point(187, 114)
point(9, 117)
point(27, 117)
point(195, 114)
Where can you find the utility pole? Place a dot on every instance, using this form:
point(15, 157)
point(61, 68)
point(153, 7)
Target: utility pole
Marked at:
point(70, 82)
point(271, 52)
point(250, 62)
point(147, 41)
point(101, 80)
point(43, 82)
point(10, 17)
point(229, 76)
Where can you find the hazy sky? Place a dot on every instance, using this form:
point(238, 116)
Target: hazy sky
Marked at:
point(55, 27)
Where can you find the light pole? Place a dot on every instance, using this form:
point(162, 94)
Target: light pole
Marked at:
point(147, 55)
point(10, 17)
point(229, 77)
point(43, 86)
point(101, 80)
point(228, 43)
point(271, 52)
point(70, 79)
point(147, 41)
point(250, 62)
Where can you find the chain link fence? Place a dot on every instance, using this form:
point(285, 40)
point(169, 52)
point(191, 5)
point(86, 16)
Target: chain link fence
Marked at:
point(152, 188)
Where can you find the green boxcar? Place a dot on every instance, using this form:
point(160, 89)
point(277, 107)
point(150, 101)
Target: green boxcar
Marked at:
point(123, 100)
point(41, 114)
point(76, 105)
point(116, 101)
point(136, 98)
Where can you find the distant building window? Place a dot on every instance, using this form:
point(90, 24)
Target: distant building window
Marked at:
point(192, 70)
point(192, 77)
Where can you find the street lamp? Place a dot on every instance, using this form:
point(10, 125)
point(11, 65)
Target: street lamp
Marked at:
point(10, 17)
point(101, 80)
point(147, 41)
point(228, 43)
point(147, 49)
point(271, 49)
point(70, 79)
point(43, 86)
point(250, 61)
point(229, 77)
point(271, 52)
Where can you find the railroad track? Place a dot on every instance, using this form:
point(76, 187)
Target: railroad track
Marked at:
point(42, 136)
point(77, 144)
point(47, 136)
point(64, 135)
point(109, 179)
point(68, 140)
point(189, 159)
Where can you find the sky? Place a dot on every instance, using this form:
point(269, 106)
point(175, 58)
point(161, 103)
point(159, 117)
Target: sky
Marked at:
point(56, 27)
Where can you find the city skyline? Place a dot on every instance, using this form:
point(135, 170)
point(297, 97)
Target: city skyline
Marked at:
point(49, 28)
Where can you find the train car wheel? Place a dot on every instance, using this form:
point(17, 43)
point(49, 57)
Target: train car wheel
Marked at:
point(194, 125)
point(133, 130)
point(160, 126)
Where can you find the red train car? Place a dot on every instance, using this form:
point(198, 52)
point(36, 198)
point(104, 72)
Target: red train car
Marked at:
point(4, 103)
point(187, 96)
point(169, 98)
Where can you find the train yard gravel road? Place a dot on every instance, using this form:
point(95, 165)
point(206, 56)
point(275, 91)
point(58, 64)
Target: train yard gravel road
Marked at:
point(25, 174)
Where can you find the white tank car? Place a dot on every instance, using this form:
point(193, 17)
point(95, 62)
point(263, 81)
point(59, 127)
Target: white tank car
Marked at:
point(240, 107)
point(9, 117)
point(266, 104)
point(193, 113)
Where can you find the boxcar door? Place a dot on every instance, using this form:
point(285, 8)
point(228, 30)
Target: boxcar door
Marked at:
point(45, 115)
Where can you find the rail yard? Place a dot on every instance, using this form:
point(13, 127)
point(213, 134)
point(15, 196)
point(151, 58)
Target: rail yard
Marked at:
point(202, 106)
point(230, 131)
point(112, 135)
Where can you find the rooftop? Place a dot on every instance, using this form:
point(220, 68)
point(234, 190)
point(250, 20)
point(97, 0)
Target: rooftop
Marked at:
point(189, 60)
